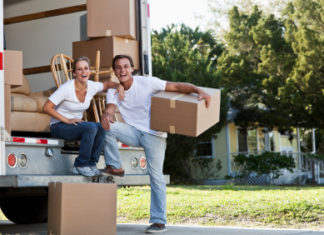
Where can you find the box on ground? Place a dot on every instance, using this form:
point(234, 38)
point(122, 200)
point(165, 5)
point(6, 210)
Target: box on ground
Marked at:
point(81, 208)
point(184, 114)
point(108, 47)
point(13, 67)
point(7, 109)
point(111, 18)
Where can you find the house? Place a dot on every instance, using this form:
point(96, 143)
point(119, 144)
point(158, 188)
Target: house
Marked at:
point(231, 140)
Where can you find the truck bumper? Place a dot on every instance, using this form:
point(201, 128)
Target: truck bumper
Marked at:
point(43, 180)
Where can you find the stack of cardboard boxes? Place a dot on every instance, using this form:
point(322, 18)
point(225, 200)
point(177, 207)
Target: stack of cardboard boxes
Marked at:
point(91, 208)
point(111, 27)
point(13, 76)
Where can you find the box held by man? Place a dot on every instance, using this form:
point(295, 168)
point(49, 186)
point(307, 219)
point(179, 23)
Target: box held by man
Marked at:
point(184, 114)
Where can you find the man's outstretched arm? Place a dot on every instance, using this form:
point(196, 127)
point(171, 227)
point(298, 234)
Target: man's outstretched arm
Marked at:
point(188, 88)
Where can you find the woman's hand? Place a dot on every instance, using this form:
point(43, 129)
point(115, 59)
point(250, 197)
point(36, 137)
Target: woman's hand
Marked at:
point(74, 121)
point(121, 92)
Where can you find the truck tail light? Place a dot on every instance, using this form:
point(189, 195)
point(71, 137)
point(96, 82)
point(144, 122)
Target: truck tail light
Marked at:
point(142, 162)
point(11, 160)
point(134, 162)
point(23, 160)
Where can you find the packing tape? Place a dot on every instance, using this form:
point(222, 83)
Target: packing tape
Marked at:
point(172, 129)
point(108, 32)
point(173, 100)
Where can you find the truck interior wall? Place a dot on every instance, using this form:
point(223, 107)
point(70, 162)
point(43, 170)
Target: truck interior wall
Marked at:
point(41, 39)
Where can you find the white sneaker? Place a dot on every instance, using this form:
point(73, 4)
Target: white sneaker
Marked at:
point(85, 170)
point(96, 170)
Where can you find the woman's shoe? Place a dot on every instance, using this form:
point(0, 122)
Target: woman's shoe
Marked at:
point(96, 170)
point(83, 170)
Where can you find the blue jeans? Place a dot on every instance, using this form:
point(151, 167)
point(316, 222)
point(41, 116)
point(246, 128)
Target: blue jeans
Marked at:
point(154, 148)
point(91, 136)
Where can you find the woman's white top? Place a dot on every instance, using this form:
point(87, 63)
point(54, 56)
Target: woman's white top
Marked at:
point(66, 102)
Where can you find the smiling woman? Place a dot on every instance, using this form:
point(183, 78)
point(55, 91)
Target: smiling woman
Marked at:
point(167, 12)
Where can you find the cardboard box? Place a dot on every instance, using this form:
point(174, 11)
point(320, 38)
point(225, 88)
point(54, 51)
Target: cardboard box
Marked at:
point(108, 47)
point(184, 114)
point(81, 208)
point(7, 93)
point(13, 67)
point(111, 18)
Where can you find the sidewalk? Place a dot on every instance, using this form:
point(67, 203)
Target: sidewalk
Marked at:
point(9, 228)
point(130, 229)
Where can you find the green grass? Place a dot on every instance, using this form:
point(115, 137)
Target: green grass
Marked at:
point(248, 206)
point(257, 206)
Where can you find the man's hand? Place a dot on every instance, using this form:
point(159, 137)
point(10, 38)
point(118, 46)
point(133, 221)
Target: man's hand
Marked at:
point(188, 88)
point(106, 119)
point(204, 96)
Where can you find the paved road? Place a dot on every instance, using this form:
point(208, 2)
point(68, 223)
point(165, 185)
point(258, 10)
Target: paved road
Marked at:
point(8, 228)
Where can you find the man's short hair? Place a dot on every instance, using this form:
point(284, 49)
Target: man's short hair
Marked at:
point(118, 57)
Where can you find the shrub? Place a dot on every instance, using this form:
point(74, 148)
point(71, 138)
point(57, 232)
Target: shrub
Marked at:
point(265, 163)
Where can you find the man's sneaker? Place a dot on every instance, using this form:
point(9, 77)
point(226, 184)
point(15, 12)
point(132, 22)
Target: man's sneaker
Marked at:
point(156, 228)
point(85, 170)
point(96, 170)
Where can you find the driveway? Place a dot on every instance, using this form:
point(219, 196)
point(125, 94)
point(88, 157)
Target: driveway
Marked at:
point(8, 228)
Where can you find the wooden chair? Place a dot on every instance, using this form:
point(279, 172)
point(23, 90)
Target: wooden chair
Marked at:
point(61, 67)
point(100, 99)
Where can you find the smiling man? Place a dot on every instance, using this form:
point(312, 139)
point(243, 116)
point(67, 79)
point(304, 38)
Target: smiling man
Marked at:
point(135, 111)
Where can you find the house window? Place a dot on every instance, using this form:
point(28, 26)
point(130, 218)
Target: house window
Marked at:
point(205, 149)
point(242, 142)
point(261, 140)
point(272, 141)
point(247, 141)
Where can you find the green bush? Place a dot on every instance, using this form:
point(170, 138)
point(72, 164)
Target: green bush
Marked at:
point(265, 163)
point(315, 156)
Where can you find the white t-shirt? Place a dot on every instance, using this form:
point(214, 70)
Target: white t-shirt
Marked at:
point(135, 109)
point(67, 103)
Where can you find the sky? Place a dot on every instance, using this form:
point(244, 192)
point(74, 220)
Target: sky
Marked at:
point(166, 12)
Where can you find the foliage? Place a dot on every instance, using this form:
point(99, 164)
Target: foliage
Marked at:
point(315, 156)
point(230, 205)
point(181, 54)
point(273, 67)
point(304, 87)
point(218, 21)
point(265, 163)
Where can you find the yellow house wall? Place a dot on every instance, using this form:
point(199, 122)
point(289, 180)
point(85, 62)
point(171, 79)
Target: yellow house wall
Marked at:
point(233, 138)
point(285, 142)
point(220, 155)
point(221, 152)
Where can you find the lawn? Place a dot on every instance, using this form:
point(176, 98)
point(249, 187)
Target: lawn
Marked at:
point(249, 206)
point(228, 205)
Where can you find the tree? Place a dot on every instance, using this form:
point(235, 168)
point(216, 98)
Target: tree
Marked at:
point(304, 88)
point(182, 54)
point(218, 19)
point(273, 67)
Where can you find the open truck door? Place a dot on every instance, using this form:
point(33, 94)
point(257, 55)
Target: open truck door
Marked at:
point(30, 158)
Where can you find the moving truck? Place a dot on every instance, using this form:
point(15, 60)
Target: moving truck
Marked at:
point(33, 32)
